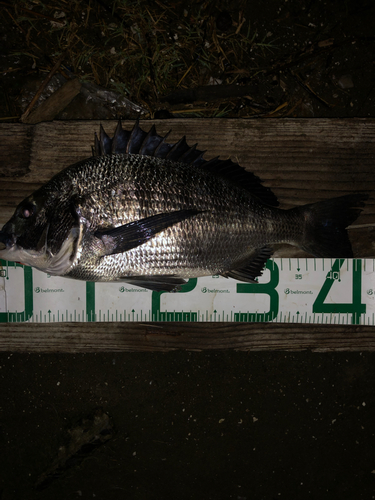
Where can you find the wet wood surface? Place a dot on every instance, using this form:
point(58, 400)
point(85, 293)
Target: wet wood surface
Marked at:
point(302, 160)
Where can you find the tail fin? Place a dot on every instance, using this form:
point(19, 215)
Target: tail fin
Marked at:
point(325, 232)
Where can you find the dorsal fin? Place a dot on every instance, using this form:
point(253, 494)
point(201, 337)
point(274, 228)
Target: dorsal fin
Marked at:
point(120, 139)
point(137, 141)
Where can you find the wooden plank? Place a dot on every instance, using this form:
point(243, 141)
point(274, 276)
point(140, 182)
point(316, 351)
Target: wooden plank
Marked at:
point(15, 149)
point(301, 160)
point(52, 106)
point(120, 337)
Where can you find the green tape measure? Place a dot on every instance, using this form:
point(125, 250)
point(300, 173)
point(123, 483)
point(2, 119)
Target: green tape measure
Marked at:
point(331, 291)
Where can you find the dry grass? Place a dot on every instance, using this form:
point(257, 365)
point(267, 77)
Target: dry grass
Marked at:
point(139, 48)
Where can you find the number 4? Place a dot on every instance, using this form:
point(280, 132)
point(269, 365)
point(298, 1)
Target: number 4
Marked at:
point(356, 308)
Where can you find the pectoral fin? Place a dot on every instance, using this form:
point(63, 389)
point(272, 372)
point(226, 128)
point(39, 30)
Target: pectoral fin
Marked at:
point(124, 238)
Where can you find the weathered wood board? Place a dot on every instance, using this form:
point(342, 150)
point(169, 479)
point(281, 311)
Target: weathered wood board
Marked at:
point(117, 337)
point(302, 161)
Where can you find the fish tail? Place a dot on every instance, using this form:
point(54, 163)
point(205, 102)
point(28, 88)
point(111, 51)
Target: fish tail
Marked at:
point(325, 233)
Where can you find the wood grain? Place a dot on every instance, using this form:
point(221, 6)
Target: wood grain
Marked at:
point(119, 337)
point(58, 101)
point(302, 160)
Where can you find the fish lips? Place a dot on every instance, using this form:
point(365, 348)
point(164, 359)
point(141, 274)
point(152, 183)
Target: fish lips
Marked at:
point(11, 250)
point(6, 240)
point(7, 245)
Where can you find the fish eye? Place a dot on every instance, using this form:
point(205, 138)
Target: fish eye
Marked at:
point(27, 211)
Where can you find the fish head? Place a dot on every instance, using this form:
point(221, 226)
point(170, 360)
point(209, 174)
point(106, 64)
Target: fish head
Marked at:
point(43, 232)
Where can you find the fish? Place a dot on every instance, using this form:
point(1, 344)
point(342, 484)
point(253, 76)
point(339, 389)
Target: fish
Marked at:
point(155, 214)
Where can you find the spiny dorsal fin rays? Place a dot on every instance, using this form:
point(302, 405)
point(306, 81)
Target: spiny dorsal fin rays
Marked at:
point(178, 150)
point(190, 155)
point(120, 139)
point(164, 147)
point(102, 144)
point(151, 144)
point(105, 142)
point(136, 139)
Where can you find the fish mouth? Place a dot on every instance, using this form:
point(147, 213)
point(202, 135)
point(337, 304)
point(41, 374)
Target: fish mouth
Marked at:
point(8, 246)
point(6, 240)
point(11, 251)
point(41, 257)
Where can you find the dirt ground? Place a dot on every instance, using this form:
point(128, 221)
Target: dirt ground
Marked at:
point(198, 425)
point(208, 425)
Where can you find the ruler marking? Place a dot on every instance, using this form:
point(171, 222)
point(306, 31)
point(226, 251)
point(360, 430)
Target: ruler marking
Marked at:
point(348, 297)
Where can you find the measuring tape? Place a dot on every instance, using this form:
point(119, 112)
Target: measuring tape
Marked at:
point(330, 291)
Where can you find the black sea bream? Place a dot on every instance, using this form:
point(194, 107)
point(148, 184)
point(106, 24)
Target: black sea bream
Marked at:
point(154, 214)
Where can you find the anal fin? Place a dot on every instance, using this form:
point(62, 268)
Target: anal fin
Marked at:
point(252, 268)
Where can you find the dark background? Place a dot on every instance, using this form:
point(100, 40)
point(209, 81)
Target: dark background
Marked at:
point(193, 425)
